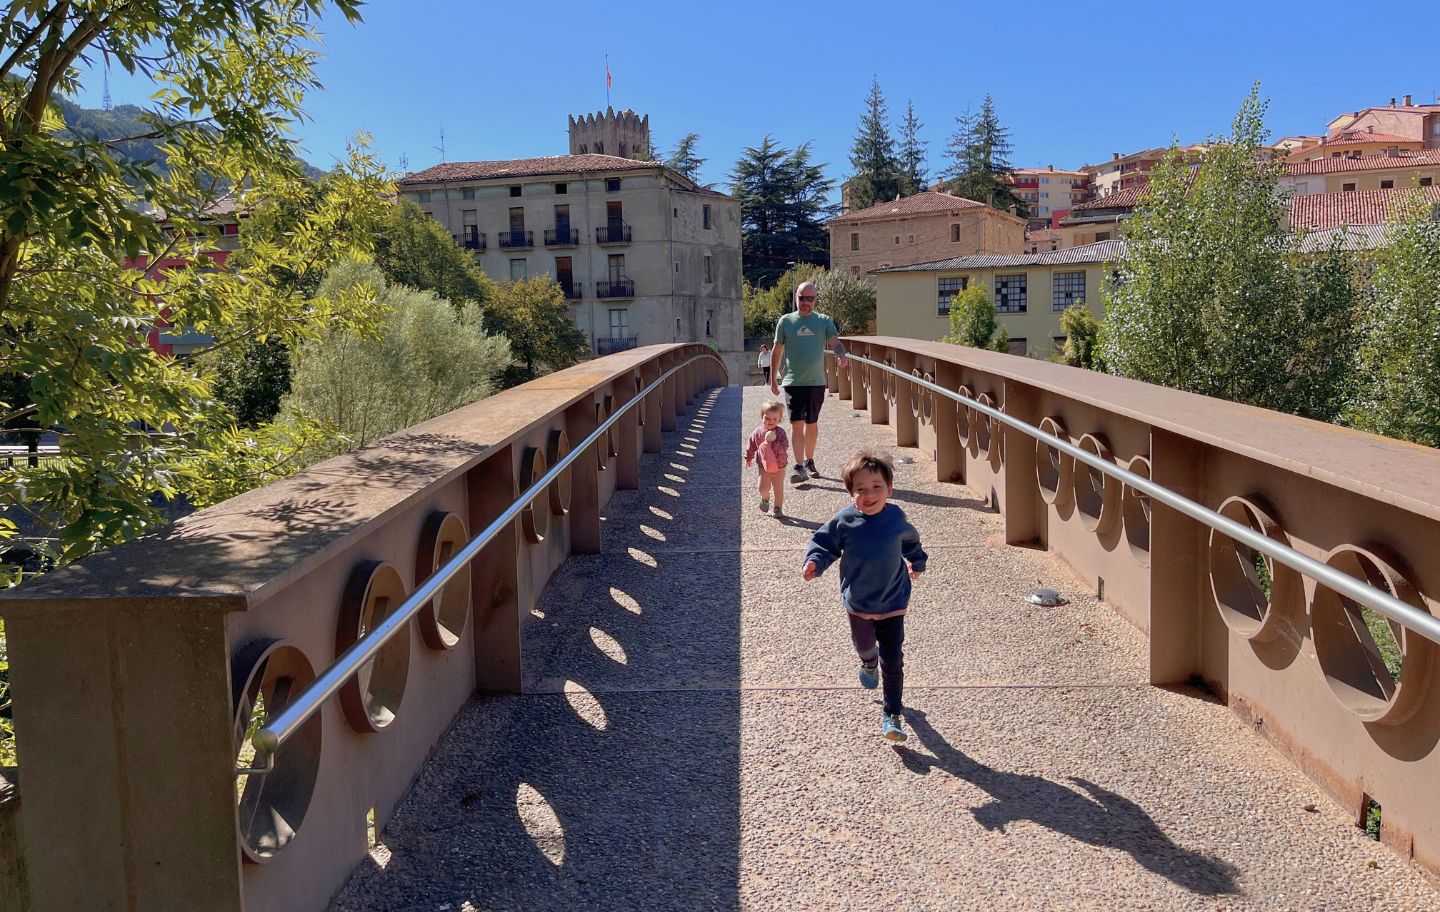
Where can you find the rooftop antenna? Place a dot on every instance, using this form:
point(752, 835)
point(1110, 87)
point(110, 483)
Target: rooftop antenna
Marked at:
point(441, 148)
point(404, 162)
point(105, 98)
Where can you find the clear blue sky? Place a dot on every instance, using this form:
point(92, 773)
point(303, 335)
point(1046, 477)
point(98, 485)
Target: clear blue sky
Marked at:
point(1072, 81)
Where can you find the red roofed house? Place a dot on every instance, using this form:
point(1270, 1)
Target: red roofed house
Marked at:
point(930, 225)
point(1321, 211)
point(1398, 169)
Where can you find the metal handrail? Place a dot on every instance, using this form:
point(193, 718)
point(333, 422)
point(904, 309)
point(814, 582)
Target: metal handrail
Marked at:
point(1427, 625)
point(279, 729)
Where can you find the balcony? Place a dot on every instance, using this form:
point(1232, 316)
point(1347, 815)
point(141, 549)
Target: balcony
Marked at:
point(473, 239)
point(616, 288)
point(571, 289)
point(516, 240)
point(562, 237)
point(613, 234)
point(613, 344)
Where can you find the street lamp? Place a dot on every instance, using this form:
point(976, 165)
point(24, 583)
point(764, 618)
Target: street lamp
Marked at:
point(794, 283)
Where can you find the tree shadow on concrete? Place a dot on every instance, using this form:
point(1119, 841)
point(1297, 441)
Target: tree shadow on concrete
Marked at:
point(1090, 814)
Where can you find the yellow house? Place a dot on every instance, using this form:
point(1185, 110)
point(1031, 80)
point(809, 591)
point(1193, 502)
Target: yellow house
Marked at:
point(1029, 290)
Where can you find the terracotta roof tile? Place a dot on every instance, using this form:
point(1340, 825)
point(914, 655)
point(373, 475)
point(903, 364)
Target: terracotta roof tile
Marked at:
point(1359, 207)
point(926, 201)
point(1402, 159)
point(525, 167)
point(1350, 137)
point(1120, 199)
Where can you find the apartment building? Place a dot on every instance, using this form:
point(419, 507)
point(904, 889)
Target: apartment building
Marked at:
point(1127, 172)
point(1406, 121)
point(1049, 190)
point(1099, 219)
point(1030, 292)
point(644, 254)
point(1396, 169)
point(926, 226)
point(1323, 211)
point(220, 239)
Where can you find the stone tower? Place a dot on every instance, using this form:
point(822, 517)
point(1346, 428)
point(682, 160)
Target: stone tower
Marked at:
point(626, 134)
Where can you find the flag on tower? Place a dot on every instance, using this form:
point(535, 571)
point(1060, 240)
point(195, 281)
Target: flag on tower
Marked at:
point(609, 80)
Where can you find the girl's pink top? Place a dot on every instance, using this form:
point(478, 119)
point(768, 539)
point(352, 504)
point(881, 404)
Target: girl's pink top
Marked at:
point(773, 455)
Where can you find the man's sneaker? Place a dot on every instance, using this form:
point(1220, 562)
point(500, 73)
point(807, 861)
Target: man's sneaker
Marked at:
point(810, 467)
point(765, 505)
point(869, 676)
point(892, 729)
point(798, 474)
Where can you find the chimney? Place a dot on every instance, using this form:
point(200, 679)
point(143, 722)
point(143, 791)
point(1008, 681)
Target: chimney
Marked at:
point(1407, 101)
point(1392, 101)
point(1114, 156)
point(1052, 167)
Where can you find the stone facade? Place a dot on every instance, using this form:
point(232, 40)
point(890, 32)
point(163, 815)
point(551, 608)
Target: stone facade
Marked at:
point(645, 255)
point(624, 135)
point(915, 229)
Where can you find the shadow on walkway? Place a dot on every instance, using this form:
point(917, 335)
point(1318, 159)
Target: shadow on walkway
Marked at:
point(1090, 814)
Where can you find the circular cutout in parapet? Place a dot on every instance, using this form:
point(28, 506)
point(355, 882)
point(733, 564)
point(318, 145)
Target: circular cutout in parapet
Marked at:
point(639, 412)
point(602, 446)
point(888, 381)
point(1376, 667)
point(1097, 495)
point(371, 697)
point(1250, 588)
point(1135, 513)
point(557, 447)
point(441, 537)
point(915, 394)
point(535, 518)
point(927, 401)
point(964, 416)
point(270, 806)
point(981, 437)
point(1053, 469)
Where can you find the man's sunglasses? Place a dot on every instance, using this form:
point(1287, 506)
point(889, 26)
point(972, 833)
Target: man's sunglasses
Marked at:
point(807, 297)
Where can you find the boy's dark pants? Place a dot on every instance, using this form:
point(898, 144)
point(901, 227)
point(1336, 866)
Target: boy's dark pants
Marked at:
point(884, 639)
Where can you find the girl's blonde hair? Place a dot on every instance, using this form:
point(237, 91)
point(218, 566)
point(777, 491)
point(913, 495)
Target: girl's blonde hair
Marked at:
point(770, 405)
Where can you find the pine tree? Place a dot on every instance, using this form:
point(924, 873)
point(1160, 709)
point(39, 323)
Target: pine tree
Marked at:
point(684, 159)
point(912, 153)
point(877, 170)
point(979, 153)
point(783, 207)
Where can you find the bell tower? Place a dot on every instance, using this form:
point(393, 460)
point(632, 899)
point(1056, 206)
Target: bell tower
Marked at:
point(626, 134)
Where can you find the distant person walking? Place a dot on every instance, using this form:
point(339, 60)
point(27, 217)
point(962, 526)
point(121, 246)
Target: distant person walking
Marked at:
point(764, 361)
point(800, 342)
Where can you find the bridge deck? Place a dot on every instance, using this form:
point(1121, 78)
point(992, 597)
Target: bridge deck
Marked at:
point(692, 735)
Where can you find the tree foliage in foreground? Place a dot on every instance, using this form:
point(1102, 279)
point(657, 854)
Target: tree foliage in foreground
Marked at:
point(1082, 339)
point(783, 207)
point(972, 321)
point(534, 315)
point(848, 299)
point(764, 306)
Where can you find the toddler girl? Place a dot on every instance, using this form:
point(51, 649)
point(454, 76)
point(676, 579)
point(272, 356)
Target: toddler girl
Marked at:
point(769, 443)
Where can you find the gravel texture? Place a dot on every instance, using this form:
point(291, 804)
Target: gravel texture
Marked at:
point(692, 735)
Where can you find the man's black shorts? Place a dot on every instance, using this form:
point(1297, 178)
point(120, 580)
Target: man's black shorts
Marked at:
point(804, 402)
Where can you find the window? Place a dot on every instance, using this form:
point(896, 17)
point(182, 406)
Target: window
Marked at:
point(515, 190)
point(1347, 188)
point(470, 229)
point(617, 266)
point(709, 274)
point(954, 234)
point(945, 290)
point(854, 240)
point(705, 215)
point(584, 149)
point(619, 323)
point(1010, 294)
point(422, 196)
point(1059, 342)
point(709, 315)
point(562, 188)
point(612, 185)
point(230, 229)
point(517, 220)
point(897, 238)
point(855, 270)
point(467, 193)
point(565, 275)
point(1102, 235)
point(1069, 289)
point(1426, 181)
point(1387, 184)
point(429, 215)
point(519, 270)
point(1019, 347)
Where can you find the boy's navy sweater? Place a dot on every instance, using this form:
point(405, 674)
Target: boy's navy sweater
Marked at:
point(872, 550)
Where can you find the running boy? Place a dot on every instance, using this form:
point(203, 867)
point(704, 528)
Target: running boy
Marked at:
point(769, 443)
point(873, 542)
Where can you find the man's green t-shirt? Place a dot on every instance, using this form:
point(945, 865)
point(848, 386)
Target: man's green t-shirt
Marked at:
point(805, 339)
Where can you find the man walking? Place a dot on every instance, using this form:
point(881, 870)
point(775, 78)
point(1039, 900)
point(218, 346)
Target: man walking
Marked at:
point(801, 338)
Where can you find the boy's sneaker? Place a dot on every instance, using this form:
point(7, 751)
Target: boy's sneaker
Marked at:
point(893, 729)
point(869, 676)
point(798, 475)
point(765, 506)
point(810, 467)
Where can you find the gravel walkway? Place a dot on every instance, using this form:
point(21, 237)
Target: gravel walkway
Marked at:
point(692, 735)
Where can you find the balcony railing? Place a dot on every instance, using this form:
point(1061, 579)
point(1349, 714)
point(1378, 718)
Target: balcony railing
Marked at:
point(562, 237)
point(612, 234)
point(514, 240)
point(472, 240)
point(571, 289)
point(618, 288)
point(613, 344)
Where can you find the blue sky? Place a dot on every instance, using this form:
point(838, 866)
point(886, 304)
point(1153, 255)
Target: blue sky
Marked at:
point(1073, 82)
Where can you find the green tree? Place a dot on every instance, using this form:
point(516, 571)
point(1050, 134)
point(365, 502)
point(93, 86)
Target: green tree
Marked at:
point(1398, 364)
point(849, 300)
point(415, 250)
point(534, 315)
point(1082, 338)
point(75, 214)
point(783, 207)
point(429, 357)
point(872, 155)
point(764, 306)
point(251, 379)
point(684, 159)
point(972, 321)
point(913, 173)
point(979, 152)
point(1210, 294)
